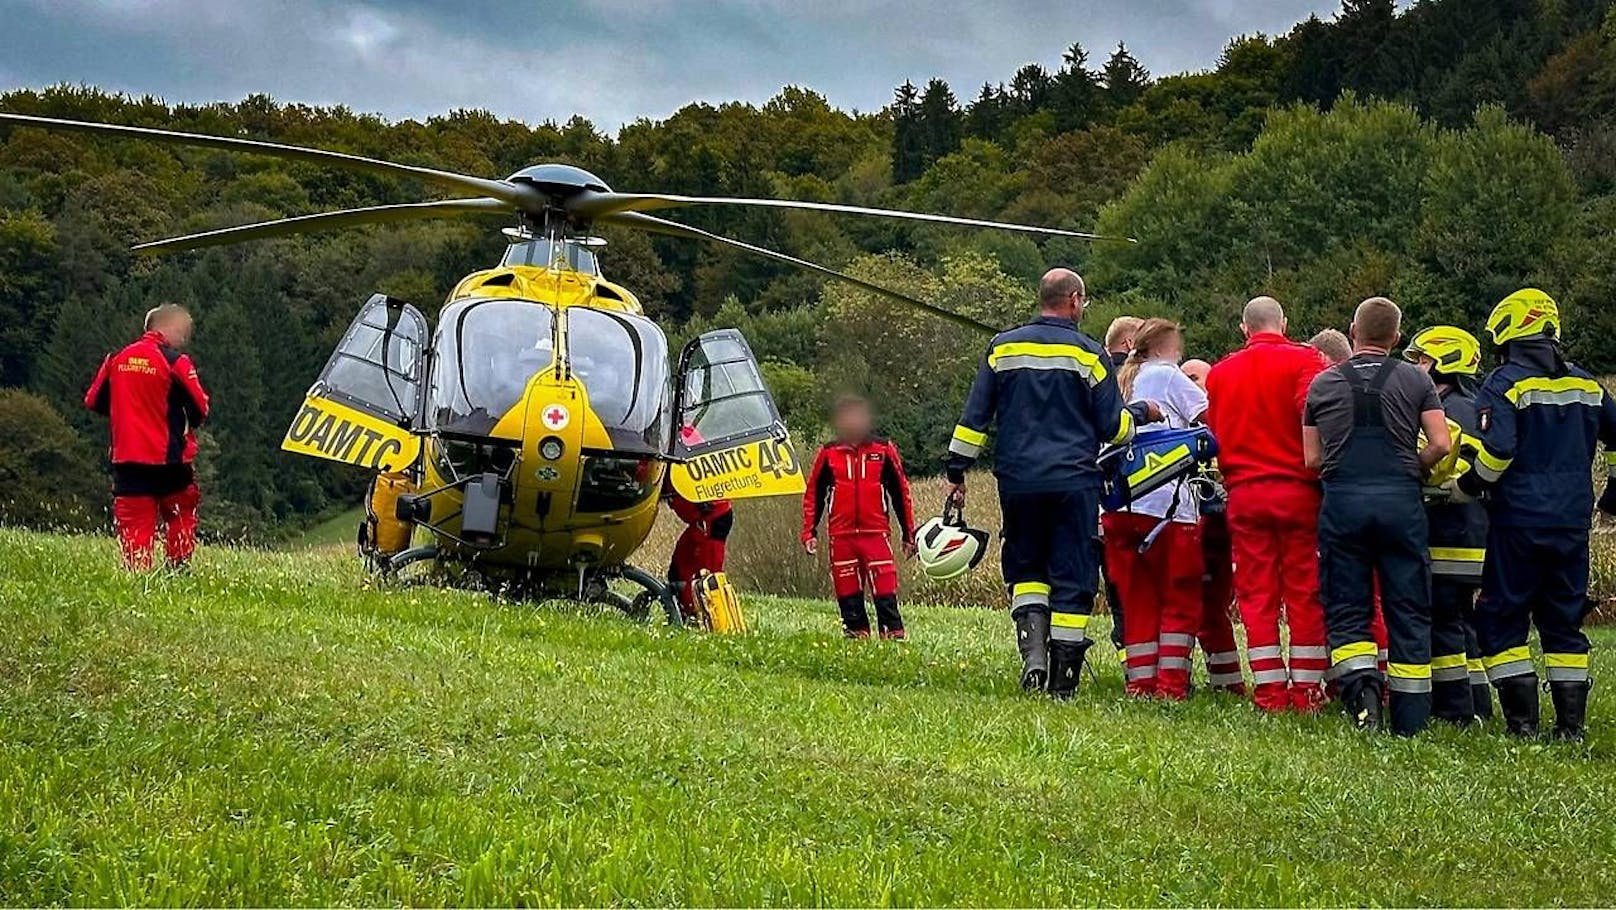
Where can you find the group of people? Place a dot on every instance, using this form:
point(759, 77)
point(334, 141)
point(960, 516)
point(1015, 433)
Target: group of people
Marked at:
point(1363, 502)
point(1390, 527)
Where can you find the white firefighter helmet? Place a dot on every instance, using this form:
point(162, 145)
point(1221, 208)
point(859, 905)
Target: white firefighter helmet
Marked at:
point(947, 547)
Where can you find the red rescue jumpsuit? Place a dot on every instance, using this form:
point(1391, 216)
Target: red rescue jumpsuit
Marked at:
point(1256, 396)
point(701, 547)
point(154, 401)
point(860, 486)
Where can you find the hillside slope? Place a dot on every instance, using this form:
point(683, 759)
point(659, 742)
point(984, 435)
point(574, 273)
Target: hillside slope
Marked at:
point(269, 731)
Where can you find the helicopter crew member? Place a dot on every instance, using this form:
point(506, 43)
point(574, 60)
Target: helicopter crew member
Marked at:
point(1255, 401)
point(701, 548)
point(150, 393)
point(858, 484)
point(1361, 431)
point(1452, 356)
point(1119, 343)
point(1053, 394)
point(1540, 421)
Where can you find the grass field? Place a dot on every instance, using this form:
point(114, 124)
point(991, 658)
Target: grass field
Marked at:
point(269, 731)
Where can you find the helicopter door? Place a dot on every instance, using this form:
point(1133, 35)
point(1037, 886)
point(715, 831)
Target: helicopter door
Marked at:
point(728, 440)
point(365, 407)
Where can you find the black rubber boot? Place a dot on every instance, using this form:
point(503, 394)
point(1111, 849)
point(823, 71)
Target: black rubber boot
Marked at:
point(1361, 699)
point(1032, 639)
point(1481, 700)
point(1570, 709)
point(1517, 700)
point(1066, 667)
point(1453, 702)
point(855, 621)
point(1408, 713)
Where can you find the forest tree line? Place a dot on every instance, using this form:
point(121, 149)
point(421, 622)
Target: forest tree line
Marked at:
point(1444, 154)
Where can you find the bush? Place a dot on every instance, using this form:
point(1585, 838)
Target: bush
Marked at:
point(47, 478)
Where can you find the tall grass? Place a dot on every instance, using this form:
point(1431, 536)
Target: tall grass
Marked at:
point(765, 554)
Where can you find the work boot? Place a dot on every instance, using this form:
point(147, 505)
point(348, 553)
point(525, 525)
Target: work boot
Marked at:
point(1517, 700)
point(1032, 639)
point(1481, 700)
point(1065, 667)
point(1361, 699)
point(1570, 709)
point(1453, 702)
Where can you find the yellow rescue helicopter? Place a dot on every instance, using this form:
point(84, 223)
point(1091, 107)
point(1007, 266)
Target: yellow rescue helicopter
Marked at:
point(526, 440)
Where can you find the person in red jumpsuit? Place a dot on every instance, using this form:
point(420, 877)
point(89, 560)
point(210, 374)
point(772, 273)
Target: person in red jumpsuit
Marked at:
point(702, 546)
point(858, 484)
point(150, 393)
point(1256, 396)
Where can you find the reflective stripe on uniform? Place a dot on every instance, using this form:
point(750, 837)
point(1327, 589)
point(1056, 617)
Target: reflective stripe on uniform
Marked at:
point(1306, 677)
point(1029, 594)
point(1478, 671)
point(1490, 467)
point(1148, 649)
point(1174, 663)
point(966, 441)
point(1037, 355)
point(1309, 652)
point(1125, 428)
point(1510, 662)
point(1224, 679)
point(1559, 392)
point(1359, 655)
point(1071, 627)
point(1264, 652)
point(1449, 668)
point(1177, 640)
point(1408, 677)
point(1566, 667)
point(1264, 677)
point(1143, 671)
point(1457, 562)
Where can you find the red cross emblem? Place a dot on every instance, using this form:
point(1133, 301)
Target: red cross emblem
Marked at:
point(555, 417)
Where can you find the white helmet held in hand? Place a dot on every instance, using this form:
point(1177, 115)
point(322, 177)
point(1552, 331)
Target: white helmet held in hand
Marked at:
point(947, 547)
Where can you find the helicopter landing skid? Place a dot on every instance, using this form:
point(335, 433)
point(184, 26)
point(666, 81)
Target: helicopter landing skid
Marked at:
point(656, 591)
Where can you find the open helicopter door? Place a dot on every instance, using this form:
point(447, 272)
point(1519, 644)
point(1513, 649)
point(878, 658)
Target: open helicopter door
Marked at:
point(728, 439)
point(366, 405)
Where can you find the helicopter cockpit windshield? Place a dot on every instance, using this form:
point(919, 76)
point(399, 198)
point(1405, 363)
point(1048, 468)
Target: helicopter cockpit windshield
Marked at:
point(487, 350)
point(623, 362)
point(543, 253)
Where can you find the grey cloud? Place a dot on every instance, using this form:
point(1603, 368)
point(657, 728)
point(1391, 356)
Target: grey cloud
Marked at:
point(611, 60)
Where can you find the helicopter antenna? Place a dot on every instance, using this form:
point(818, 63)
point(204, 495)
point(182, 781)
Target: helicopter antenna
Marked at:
point(556, 198)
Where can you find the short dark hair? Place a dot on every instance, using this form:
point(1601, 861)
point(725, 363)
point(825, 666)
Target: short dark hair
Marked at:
point(1378, 321)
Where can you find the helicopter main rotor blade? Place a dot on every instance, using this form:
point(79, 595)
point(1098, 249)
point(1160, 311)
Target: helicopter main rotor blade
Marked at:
point(597, 205)
point(499, 189)
point(674, 229)
point(325, 221)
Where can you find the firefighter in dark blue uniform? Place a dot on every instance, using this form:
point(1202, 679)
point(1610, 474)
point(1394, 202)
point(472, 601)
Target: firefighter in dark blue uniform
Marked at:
point(1458, 531)
point(1540, 421)
point(1054, 397)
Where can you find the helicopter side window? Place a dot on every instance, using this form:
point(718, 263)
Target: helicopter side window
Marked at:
point(722, 398)
point(360, 373)
point(487, 351)
point(622, 360)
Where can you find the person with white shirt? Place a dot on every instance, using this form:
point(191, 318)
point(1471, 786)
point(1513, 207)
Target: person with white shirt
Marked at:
point(1154, 546)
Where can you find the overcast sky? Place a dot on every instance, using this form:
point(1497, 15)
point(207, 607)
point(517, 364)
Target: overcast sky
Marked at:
point(611, 60)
